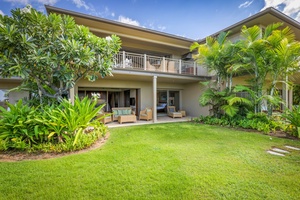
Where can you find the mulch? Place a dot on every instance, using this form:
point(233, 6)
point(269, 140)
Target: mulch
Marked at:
point(14, 156)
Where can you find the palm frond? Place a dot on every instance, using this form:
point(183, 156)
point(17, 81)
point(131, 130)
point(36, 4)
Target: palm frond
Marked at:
point(230, 110)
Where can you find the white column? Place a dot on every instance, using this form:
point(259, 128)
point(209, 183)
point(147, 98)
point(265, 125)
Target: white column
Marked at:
point(154, 99)
point(72, 95)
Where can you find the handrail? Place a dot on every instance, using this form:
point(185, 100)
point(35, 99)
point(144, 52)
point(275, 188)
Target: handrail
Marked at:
point(135, 61)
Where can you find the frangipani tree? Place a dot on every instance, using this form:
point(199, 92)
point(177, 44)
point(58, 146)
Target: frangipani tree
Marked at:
point(51, 53)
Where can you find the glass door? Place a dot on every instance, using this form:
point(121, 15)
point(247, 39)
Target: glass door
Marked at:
point(174, 99)
point(167, 98)
point(162, 101)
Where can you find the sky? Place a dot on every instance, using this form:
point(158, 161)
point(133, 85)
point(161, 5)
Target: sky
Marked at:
point(193, 19)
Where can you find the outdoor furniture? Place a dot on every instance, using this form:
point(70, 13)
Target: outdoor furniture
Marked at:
point(126, 118)
point(104, 117)
point(146, 114)
point(172, 112)
point(182, 112)
point(123, 111)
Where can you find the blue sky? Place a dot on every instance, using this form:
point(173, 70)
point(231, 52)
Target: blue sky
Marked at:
point(195, 19)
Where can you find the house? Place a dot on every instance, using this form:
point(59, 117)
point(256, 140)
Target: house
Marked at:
point(263, 19)
point(154, 69)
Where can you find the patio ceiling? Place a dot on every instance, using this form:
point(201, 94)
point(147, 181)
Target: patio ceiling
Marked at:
point(161, 78)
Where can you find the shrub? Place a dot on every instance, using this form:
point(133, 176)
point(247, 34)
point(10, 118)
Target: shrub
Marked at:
point(62, 128)
point(19, 128)
point(260, 122)
point(293, 117)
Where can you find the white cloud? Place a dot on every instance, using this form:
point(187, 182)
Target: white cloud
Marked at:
point(245, 4)
point(47, 2)
point(288, 7)
point(161, 28)
point(1, 12)
point(22, 2)
point(25, 2)
point(127, 20)
point(298, 17)
point(81, 3)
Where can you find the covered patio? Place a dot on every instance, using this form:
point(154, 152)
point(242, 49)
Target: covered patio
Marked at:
point(160, 119)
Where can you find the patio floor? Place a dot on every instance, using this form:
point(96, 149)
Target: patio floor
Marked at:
point(160, 119)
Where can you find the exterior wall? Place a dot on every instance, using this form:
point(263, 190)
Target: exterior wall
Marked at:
point(190, 96)
point(145, 100)
point(13, 97)
point(188, 100)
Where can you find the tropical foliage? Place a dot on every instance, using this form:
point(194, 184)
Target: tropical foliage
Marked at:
point(260, 122)
point(293, 116)
point(66, 127)
point(51, 53)
point(267, 56)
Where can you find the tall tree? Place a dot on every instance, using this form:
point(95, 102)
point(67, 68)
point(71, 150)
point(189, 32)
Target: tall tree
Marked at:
point(215, 56)
point(51, 53)
point(268, 52)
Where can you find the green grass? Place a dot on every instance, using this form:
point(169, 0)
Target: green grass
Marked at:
point(162, 161)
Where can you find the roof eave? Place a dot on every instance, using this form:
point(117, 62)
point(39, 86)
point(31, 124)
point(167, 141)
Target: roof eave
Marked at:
point(50, 9)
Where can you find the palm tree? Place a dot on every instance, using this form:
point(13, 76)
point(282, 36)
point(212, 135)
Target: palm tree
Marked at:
point(284, 51)
point(256, 56)
point(214, 55)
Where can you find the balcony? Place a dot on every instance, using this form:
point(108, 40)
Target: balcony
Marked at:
point(144, 62)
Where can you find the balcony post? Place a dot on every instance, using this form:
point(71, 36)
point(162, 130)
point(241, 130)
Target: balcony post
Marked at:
point(195, 68)
point(124, 59)
point(180, 66)
point(164, 64)
point(145, 61)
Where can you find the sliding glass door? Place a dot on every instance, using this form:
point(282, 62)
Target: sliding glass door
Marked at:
point(167, 98)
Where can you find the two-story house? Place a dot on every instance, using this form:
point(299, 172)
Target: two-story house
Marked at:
point(155, 69)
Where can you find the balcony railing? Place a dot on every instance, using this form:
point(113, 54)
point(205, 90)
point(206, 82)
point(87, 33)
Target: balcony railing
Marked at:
point(146, 62)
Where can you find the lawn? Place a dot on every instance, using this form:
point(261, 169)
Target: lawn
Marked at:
point(162, 161)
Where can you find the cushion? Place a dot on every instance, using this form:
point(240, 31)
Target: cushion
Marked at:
point(115, 112)
point(120, 112)
point(171, 110)
point(148, 110)
point(128, 112)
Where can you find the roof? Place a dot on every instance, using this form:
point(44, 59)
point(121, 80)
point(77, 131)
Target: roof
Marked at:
point(136, 36)
point(164, 41)
point(268, 16)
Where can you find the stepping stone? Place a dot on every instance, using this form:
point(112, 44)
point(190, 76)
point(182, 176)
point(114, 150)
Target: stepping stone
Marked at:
point(275, 153)
point(279, 150)
point(294, 148)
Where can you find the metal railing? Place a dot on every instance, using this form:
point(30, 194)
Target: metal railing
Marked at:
point(146, 62)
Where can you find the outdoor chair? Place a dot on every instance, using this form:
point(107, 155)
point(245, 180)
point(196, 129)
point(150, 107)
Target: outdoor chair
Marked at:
point(172, 112)
point(146, 114)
